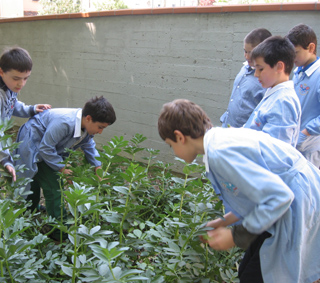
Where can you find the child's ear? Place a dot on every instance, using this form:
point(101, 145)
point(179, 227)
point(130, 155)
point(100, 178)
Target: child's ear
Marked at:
point(179, 136)
point(311, 48)
point(88, 118)
point(1, 72)
point(280, 66)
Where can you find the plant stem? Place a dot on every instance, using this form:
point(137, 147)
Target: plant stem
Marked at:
point(124, 215)
point(181, 204)
point(75, 245)
point(1, 268)
point(7, 264)
point(61, 207)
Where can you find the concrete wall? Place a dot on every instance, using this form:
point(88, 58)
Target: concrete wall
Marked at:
point(139, 62)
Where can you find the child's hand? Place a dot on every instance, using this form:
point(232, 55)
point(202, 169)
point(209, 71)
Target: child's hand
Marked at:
point(12, 171)
point(66, 171)
point(42, 107)
point(220, 239)
point(215, 223)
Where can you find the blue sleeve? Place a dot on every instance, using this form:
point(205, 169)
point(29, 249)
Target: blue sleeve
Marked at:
point(5, 157)
point(22, 110)
point(91, 153)
point(313, 126)
point(283, 121)
point(261, 196)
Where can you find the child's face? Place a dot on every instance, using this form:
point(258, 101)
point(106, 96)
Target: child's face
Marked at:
point(247, 47)
point(14, 79)
point(182, 150)
point(94, 128)
point(303, 56)
point(268, 77)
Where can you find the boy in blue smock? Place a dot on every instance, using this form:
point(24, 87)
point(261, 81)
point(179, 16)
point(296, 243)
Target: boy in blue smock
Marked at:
point(15, 69)
point(268, 185)
point(44, 140)
point(306, 80)
point(279, 112)
point(247, 92)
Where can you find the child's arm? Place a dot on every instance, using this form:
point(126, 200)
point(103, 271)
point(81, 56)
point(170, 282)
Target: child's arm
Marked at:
point(91, 153)
point(26, 111)
point(312, 128)
point(227, 220)
point(259, 196)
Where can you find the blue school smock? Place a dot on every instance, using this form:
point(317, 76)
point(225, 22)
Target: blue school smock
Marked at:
point(278, 113)
point(271, 187)
point(307, 86)
point(246, 94)
point(11, 106)
point(46, 135)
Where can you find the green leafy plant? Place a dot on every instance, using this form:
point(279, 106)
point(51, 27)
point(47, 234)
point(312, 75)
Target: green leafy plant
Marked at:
point(128, 222)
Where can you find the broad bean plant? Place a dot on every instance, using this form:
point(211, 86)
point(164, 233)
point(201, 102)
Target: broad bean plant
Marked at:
point(131, 221)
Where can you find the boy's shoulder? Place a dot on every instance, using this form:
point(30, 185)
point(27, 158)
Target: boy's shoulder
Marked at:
point(282, 92)
point(313, 71)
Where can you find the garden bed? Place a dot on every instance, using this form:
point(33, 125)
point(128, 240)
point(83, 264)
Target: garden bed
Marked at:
point(135, 222)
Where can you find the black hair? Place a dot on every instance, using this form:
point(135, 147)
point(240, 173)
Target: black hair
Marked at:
point(100, 110)
point(16, 58)
point(275, 49)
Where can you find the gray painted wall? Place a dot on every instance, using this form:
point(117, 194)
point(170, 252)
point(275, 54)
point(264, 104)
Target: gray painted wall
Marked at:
point(140, 62)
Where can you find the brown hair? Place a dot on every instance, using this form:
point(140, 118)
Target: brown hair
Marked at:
point(185, 116)
point(302, 35)
point(256, 36)
point(16, 58)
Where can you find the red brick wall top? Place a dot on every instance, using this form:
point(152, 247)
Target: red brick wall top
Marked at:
point(274, 7)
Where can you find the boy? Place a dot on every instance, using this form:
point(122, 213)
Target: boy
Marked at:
point(307, 85)
point(44, 139)
point(15, 69)
point(247, 92)
point(268, 185)
point(279, 112)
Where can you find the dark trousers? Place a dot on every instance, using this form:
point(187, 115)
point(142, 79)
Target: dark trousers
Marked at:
point(47, 179)
point(250, 268)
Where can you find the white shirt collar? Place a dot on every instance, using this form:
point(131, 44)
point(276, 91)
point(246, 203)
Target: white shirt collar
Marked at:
point(205, 146)
point(314, 67)
point(77, 128)
point(271, 90)
point(311, 70)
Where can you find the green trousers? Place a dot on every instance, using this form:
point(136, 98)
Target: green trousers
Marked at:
point(47, 179)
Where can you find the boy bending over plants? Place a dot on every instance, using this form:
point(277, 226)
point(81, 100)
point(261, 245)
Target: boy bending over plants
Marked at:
point(44, 140)
point(271, 189)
